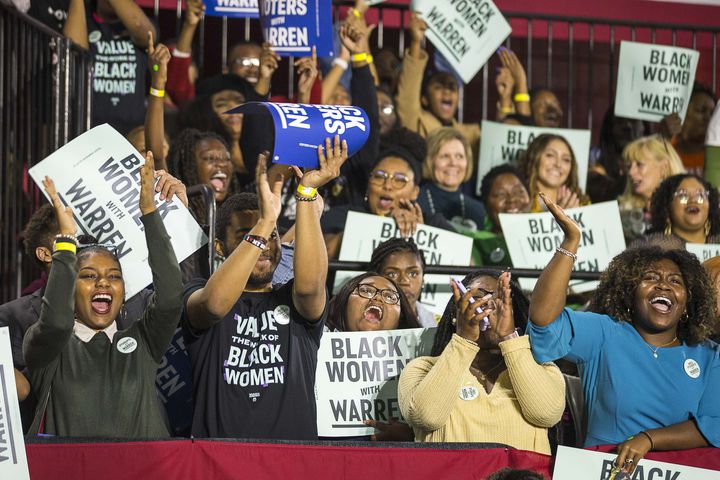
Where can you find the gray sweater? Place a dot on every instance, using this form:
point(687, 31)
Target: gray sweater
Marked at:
point(95, 388)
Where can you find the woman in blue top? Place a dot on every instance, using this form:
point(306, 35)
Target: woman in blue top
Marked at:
point(650, 376)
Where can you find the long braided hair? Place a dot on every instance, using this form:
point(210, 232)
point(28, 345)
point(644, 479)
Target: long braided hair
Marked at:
point(446, 328)
point(394, 245)
point(182, 163)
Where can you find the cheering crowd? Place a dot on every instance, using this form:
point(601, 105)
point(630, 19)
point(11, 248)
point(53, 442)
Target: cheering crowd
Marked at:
point(506, 365)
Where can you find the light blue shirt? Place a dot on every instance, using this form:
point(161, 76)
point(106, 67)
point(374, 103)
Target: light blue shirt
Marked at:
point(628, 390)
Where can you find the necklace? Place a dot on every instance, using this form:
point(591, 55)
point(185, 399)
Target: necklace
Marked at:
point(655, 350)
point(484, 375)
point(432, 204)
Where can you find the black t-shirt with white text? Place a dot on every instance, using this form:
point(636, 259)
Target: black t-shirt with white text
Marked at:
point(119, 76)
point(254, 371)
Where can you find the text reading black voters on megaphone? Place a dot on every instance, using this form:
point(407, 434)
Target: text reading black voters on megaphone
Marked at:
point(533, 237)
point(98, 175)
point(293, 27)
point(300, 129)
point(466, 32)
point(654, 80)
point(357, 377)
point(503, 143)
point(232, 8)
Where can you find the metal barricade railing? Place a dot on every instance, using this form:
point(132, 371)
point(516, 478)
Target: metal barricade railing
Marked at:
point(44, 102)
point(210, 214)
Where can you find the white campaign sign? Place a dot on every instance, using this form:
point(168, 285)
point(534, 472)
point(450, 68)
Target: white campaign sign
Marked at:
point(704, 251)
point(654, 80)
point(13, 462)
point(578, 464)
point(532, 238)
point(98, 176)
point(357, 375)
point(363, 232)
point(466, 32)
point(505, 143)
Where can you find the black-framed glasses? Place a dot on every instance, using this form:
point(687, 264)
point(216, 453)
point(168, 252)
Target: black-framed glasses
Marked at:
point(699, 196)
point(389, 297)
point(247, 62)
point(387, 109)
point(105, 246)
point(397, 180)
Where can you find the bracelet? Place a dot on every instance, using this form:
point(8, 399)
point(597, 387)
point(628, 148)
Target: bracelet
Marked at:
point(567, 253)
point(157, 93)
point(507, 110)
point(652, 444)
point(67, 246)
point(521, 97)
point(61, 237)
point(510, 336)
point(257, 240)
point(304, 191)
point(360, 57)
point(303, 198)
point(355, 13)
point(341, 63)
point(369, 58)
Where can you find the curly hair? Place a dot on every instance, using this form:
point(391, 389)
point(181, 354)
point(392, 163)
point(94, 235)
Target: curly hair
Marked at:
point(39, 232)
point(489, 178)
point(394, 245)
point(529, 161)
point(615, 296)
point(182, 163)
point(446, 328)
point(662, 199)
point(337, 313)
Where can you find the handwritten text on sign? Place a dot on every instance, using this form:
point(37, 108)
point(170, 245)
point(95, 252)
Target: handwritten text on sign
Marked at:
point(654, 81)
point(356, 377)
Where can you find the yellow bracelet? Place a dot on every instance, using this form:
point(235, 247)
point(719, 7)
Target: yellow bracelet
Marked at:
point(507, 110)
point(355, 13)
point(308, 192)
point(360, 57)
point(521, 97)
point(157, 93)
point(369, 58)
point(70, 247)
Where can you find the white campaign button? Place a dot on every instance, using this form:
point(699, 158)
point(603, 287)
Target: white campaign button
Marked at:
point(468, 392)
point(692, 368)
point(94, 36)
point(282, 314)
point(127, 345)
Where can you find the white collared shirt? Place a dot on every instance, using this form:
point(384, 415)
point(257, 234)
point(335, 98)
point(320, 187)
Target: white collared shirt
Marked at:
point(85, 333)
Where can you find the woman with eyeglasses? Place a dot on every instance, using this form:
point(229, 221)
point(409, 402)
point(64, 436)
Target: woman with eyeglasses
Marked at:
point(370, 302)
point(91, 379)
point(684, 209)
point(481, 382)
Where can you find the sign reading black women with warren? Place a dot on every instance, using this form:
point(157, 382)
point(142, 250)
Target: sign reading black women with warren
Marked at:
point(293, 27)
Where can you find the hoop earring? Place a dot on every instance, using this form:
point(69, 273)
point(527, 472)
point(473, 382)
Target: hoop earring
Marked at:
point(668, 228)
point(123, 314)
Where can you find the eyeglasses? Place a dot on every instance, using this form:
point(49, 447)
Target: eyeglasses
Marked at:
point(105, 246)
point(397, 180)
point(699, 196)
point(389, 297)
point(387, 109)
point(247, 62)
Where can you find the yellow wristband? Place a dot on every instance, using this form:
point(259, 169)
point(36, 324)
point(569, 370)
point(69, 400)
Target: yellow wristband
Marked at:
point(360, 57)
point(70, 247)
point(157, 93)
point(369, 58)
point(308, 192)
point(521, 97)
point(355, 13)
point(507, 110)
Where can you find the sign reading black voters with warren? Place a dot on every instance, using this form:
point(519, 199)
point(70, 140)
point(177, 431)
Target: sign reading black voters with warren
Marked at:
point(654, 81)
point(505, 143)
point(357, 376)
point(232, 8)
point(300, 129)
point(532, 239)
point(98, 176)
point(466, 32)
point(293, 27)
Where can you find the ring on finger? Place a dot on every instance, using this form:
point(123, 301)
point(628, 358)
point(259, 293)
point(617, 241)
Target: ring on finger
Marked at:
point(629, 461)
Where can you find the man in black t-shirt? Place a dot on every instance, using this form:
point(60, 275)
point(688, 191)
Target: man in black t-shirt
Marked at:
point(253, 348)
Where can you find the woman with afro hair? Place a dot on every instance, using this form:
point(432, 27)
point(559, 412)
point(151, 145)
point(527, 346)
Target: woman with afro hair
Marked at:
point(651, 378)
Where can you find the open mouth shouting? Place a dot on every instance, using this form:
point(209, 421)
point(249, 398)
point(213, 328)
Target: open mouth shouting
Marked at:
point(219, 181)
point(101, 303)
point(661, 304)
point(373, 314)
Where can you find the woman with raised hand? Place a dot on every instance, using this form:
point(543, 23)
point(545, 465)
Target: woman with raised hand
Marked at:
point(481, 383)
point(92, 379)
point(651, 380)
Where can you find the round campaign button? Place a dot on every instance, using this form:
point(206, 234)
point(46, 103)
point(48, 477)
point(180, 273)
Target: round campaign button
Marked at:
point(94, 36)
point(127, 345)
point(497, 255)
point(282, 314)
point(692, 368)
point(468, 392)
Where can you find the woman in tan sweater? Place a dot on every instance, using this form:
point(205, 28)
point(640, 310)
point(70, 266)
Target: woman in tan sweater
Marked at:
point(483, 385)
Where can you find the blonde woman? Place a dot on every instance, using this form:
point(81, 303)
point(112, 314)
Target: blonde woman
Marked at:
point(449, 164)
point(648, 161)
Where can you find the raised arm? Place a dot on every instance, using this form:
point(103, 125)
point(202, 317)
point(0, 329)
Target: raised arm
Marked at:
point(45, 339)
point(269, 62)
point(332, 78)
point(135, 20)
point(160, 320)
point(311, 261)
point(521, 97)
point(407, 100)
point(75, 27)
point(548, 297)
point(211, 303)
point(307, 72)
point(179, 86)
point(159, 57)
